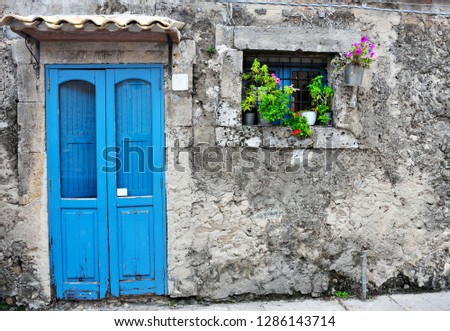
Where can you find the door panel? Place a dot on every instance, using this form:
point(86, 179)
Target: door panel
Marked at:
point(77, 197)
point(133, 225)
point(80, 249)
point(135, 243)
point(133, 135)
point(77, 134)
point(100, 240)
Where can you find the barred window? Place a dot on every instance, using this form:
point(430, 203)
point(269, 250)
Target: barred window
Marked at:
point(297, 68)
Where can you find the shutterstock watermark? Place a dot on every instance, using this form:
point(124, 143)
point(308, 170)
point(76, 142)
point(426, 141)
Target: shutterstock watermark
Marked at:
point(216, 159)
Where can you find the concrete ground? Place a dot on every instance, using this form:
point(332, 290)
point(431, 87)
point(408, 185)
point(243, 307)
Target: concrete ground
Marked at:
point(439, 301)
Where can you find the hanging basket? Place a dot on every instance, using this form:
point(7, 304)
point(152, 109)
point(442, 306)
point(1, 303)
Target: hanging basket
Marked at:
point(353, 75)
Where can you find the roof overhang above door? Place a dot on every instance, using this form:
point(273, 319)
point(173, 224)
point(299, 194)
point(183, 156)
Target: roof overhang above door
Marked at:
point(98, 28)
point(95, 27)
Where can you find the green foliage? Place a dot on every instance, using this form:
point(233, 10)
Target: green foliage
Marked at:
point(321, 96)
point(211, 50)
point(342, 294)
point(256, 78)
point(5, 307)
point(274, 104)
point(263, 90)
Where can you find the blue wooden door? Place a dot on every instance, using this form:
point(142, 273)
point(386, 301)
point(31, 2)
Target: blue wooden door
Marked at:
point(106, 181)
point(135, 207)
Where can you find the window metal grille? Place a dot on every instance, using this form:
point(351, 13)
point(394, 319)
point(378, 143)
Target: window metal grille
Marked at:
point(292, 68)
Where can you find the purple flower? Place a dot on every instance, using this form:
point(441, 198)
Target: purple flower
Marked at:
point(356, 45)
point(372, 54)
point(358, 51)
point(293, 88)
point(364, 39)
point(348, 55)
point(371, 46)
point(276, 79)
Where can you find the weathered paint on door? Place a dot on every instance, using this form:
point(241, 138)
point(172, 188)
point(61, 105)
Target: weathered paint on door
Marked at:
point(105, 130)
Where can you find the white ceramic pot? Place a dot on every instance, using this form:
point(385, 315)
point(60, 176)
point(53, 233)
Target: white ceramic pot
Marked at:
point(310, 116)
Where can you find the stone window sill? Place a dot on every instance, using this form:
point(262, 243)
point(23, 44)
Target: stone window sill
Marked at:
point(322, 137)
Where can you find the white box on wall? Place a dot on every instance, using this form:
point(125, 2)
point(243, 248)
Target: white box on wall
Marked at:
point(180, 82)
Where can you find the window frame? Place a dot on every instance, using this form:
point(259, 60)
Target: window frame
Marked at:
point(293, 62)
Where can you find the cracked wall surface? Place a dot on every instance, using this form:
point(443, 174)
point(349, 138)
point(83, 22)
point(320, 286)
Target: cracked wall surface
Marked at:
point(253, 210)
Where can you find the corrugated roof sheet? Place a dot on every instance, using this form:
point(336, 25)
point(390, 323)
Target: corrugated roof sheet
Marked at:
point(58, 27)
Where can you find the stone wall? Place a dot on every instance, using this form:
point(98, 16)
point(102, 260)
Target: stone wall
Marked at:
point(254, 211)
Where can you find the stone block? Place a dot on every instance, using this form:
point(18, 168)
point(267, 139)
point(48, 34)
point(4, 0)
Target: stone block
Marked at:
point(179, 136)
point(230, 74)
point(250, 136)
point(293, 39)
point(204, 135)
point(30, 169)
point(105, 52)
point(261, 11)
point(30, 89)
point(31, 120)
point(20, 53)
point(224, 36)
point(229, 114)
point(179, 109)
point(187, 50)
point(333, 138)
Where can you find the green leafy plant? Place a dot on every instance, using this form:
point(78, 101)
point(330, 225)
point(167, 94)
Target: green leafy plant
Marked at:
point(256, 78)
point(342, 294)
point(274, 103)
point(211, 50)
point(321, 96)
point(264, 91)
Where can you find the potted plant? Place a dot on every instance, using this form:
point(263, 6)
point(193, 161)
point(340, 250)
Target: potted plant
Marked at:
point(263, 92)
point(299, 125)
point(321, 96)
point(360, 57)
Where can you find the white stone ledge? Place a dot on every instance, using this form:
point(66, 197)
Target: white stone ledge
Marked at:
point(294, 39)
point(281, 137)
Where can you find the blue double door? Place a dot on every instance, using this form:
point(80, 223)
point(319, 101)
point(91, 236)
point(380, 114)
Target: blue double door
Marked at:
point(105, 147)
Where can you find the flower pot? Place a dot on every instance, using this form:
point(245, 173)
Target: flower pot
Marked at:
point(310, 116)
point(353, 75)
point(249, 118)
point(261, 120)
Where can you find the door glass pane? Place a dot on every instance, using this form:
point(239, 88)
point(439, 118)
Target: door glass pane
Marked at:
point(77, 136)
point(133, 137)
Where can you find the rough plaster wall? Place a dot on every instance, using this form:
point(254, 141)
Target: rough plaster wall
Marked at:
point(23, 245)
point(269, 231)
point(384, 187)
point(9, 261)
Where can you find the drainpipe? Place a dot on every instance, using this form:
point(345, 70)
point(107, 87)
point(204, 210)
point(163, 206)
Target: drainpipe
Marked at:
point(363, 274)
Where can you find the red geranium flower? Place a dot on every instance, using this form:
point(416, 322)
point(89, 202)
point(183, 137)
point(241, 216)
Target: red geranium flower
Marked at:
point(296, 132)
